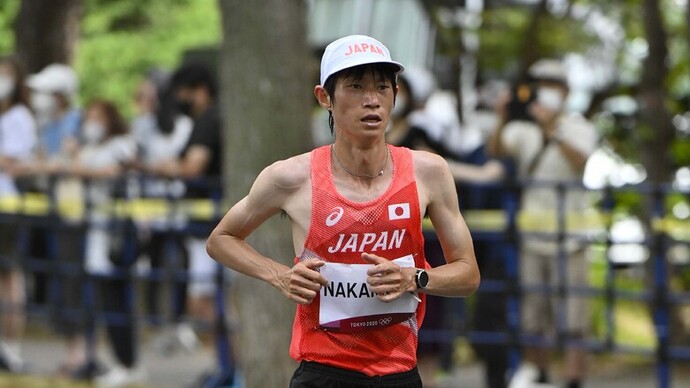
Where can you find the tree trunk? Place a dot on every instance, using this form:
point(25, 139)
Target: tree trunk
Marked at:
point(658, 132)
point(450, 44)
point(656, 136)
point(531, 51)
point(46, 31)
point(265, 95)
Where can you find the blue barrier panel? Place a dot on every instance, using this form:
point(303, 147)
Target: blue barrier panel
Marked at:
point(505, 227)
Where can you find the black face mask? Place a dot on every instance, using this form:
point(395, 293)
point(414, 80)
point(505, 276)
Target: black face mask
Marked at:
point(184, 107)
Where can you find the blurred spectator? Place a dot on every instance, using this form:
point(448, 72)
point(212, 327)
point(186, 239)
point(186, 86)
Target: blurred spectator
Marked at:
point(161, 134)
point(195, 92)
point(53, 99)
point(106, 150)
point(425, 119)
point(17, 140)
point(474, 174)
point(554, 149)
point(412, 127)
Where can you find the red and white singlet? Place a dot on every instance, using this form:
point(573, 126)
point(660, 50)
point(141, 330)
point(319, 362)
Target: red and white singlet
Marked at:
point(346, 326)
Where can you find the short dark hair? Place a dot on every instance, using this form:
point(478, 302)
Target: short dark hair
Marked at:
point(20, 95)
point(192, 75)
point(385, 70)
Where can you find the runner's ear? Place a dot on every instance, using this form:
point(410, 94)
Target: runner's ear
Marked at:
point(322, 97)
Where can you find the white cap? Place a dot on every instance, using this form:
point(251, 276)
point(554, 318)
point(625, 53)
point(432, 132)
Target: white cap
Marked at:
point(351, 51)
point(421, 82)
point(549, 70)
point(55, 78)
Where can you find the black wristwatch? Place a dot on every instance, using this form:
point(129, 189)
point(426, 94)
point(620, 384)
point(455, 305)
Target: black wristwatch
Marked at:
point(421, 279)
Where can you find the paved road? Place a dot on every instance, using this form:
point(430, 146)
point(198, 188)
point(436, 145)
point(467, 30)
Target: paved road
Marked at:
point(181, 369)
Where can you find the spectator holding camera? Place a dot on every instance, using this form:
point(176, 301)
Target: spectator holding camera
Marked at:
point(554, 148)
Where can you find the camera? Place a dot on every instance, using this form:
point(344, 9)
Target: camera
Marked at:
point(521, 96)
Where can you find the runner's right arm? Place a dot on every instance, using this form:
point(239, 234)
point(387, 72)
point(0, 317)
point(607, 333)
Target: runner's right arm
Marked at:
point(227, 243)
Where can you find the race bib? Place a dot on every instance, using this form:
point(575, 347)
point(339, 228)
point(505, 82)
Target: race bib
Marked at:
point(347, 304)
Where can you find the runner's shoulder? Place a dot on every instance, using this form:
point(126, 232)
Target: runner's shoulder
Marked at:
point(428, 163)
point(290, 174)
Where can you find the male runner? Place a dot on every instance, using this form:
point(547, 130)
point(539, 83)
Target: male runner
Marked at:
point(356, 208)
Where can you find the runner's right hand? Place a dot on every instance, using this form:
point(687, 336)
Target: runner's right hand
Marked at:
point(303, 281)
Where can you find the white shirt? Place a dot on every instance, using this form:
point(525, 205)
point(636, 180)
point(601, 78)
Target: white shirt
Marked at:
point(18, 138)
point(112, 152)
point(158, 147)
point(523, 141)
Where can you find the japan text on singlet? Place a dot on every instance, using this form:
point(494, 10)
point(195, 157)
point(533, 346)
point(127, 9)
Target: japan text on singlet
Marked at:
point(346, 326)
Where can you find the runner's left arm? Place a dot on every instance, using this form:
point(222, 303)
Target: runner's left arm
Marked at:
point(460, 275)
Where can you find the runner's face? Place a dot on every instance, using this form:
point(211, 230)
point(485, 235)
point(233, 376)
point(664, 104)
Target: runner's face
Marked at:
point(363, 106)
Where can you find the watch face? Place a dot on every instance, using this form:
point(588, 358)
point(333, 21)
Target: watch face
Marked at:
point(422, 279)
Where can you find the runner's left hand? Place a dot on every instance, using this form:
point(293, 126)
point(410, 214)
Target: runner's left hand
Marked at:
point(387, 279)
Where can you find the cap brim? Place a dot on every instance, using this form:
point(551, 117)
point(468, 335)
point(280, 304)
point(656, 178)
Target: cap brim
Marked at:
point(349, 65)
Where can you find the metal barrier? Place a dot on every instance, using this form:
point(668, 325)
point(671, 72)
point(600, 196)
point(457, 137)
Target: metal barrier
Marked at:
point(511, 226)
point(69, 207)
point(505, 225)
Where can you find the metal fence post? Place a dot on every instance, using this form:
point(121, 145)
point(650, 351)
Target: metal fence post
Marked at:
point(513, 292)
point(660, 296)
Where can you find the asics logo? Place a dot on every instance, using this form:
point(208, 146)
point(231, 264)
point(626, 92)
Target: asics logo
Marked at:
point(335, 216)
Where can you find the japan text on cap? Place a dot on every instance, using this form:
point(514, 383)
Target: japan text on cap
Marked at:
point(351, 51)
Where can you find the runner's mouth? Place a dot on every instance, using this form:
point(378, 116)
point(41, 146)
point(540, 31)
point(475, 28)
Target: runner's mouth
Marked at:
point(372, 118)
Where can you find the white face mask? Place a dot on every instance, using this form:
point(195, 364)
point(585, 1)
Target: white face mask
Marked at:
point(44, 104)
point(400, 106)
point(6, 86)
point(93, 132)
point(551, 98)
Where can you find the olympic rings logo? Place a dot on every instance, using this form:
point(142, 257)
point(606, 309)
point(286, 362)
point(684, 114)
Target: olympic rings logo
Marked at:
point(385, 321)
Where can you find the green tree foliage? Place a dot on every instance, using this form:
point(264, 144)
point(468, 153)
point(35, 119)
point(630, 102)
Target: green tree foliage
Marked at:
point(504, 36)
point(121, 40)
point(8, 9)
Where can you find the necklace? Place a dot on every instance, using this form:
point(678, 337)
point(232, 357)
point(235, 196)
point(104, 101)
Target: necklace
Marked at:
point(385, 163)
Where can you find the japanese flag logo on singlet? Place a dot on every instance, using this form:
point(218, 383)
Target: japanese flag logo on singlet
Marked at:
point(399, 211)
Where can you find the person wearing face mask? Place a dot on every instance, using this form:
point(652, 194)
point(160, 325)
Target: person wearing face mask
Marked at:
point(53, 96)
point(106, 152)
point(161, 133)
point(54, 91)
point(412, 126)
point(17, 140)
point(552, 148)
point(195, 92)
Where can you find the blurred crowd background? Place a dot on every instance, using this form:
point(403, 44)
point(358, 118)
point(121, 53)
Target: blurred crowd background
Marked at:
point(127, 127)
